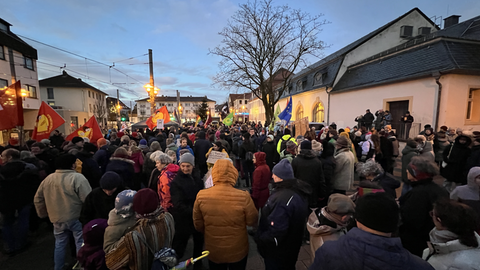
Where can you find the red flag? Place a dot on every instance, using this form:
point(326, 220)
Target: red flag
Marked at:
point(11, 106)
point(47, 120)
point(90, 130)
point(161, 113)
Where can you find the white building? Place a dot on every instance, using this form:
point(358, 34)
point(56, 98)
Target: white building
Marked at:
point(75, 100)
point(18, 61)
point(238, 104)
point(188, 106)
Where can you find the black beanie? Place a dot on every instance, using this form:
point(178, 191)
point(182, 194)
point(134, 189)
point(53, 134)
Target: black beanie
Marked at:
point(378, 211)
point(77, 139)
point(110, 180)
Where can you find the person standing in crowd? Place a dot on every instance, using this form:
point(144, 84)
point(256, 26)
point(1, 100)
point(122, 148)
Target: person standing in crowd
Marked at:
point(76, 144)
point(60, 197)
point(57, 139)
point(370, 245)
point(246, 151)
point(261, 179)
point(282, 142)
point(18, 183)
point(120, 219)
point(407, 120)
point(454, 242)
point(330, 222)
point(474, 158)
point(387, 118)
point(373, 172)
point(455, 156)
point(307, 167)
point(184, 145)
point(90, 168)
point(201, 148)
point(183, 190)
point(217, 146)
point(269, 148)
point(137, 157)
point(123, 166)
point(451, 135)
point(41, 152)
point(225, 227)
point(416, 204)
point(408, 153)
point(283, 219)
point(101, 200)
point(91, 255)
point(343, 175)
point(379, 120)
point(469, 194)
point(368, 119)
point(153, 231)
point(168, 172)
point(441, 142)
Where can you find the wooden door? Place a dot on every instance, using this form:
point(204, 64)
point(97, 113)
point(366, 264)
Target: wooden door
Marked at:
point(397, 110)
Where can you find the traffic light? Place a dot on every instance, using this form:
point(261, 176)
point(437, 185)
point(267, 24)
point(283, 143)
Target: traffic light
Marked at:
point(123, 118)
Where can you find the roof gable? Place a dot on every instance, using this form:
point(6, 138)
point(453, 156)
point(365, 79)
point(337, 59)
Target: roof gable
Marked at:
point(65, 80)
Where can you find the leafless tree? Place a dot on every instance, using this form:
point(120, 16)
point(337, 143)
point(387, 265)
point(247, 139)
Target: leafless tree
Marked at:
point(262, 46)
point(100, 111)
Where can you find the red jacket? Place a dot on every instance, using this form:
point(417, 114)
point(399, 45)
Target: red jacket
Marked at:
point(261, 179)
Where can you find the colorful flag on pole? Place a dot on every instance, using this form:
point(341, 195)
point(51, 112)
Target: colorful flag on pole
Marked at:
point(90, 130)
point(197, 121)
point(209, 119)
point(176, 116)
point(228, 121)
point(275, 117)
point(47, 120)
point(11, 106)
point(286, 115)
point(161, 113)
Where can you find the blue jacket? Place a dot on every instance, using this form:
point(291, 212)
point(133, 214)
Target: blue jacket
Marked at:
point(360, 250)
point(180, 148)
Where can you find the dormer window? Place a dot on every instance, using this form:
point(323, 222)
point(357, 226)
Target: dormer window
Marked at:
point(319, 78)
point(3, 27)
point(299, 85)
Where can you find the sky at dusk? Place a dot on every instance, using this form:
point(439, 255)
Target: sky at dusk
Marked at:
point(179, 32)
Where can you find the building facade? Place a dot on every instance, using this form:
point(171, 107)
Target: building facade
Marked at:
point(75, 100)
point(18, 62)
point(188, 106)
point(238, 104)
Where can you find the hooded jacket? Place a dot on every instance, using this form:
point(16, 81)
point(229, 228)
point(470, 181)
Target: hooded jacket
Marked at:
point(272, 156)
point(282, 222)
point(97, 205)
point(166, 177)
point(286, 137)
point(225, 227)
point(117, 227)
point(360, 250)
point(470, 191)
point(307, 167)
point(474, 159)
point(91, 256)
point(408, 153)
point(261, 179)
point(456, 160)
point(137, 158)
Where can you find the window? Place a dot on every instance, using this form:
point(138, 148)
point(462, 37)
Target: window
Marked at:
point(318, 113)
point(319, 78)
point(2, 53)
point(142, 106)
point(299, 85)
point(187, 104)
point(473, 105)
point(28, 62)
point(246, 101)
point(73, 123)
point(3, 27)
point(299, 114)
point(88, 93)
point(170, 105)
point(240, 102)
point(32, 91)
point(51, 103)
point(90, 106)
point(3, 83)
point(50, 93)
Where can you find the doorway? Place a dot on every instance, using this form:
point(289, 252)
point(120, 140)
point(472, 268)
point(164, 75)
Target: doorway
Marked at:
point(397, 110)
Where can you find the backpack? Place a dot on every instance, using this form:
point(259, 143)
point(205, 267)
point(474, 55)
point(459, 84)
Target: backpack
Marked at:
point(283, 144)
point(164, 259)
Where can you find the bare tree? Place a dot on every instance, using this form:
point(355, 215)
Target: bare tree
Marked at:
point(100, 111)
point(262, 46)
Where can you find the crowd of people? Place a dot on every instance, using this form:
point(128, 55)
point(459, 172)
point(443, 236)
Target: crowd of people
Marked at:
point(132, 200)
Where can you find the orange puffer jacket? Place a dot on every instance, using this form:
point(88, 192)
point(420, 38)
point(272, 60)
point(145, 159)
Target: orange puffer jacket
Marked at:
point(222, 213)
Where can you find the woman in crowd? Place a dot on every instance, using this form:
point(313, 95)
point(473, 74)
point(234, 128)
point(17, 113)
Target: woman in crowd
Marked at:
point(454, 244)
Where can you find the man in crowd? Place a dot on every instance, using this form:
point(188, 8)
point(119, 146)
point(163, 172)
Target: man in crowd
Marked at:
point(370, 245)
point(60, 197)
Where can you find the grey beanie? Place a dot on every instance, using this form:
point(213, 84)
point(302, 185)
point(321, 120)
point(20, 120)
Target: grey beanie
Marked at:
point(187, 158)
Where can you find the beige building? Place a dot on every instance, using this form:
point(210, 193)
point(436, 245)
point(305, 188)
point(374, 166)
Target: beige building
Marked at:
point(18, 61)
point(407, 64)
point(75, 100)
point(188, 106)
point(239, 105)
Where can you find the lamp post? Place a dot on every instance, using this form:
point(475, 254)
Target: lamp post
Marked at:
point(150, 87)
point(243, 112)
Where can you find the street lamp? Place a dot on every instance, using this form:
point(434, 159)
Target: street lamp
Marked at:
point(152, 91)
point(243, 112)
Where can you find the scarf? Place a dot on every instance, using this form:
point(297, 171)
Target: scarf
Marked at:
point(333, 217)
point(442, 236)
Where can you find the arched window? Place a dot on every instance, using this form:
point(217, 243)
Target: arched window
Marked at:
point(318, 113)
point(299, 114)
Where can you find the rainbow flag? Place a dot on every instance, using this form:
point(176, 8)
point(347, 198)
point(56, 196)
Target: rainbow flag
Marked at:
point(197, 121)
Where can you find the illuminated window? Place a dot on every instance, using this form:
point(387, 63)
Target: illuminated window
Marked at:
point(3, 83)
point(32, 91)
point(299, 114)
point(473, 105)
point(318, 113)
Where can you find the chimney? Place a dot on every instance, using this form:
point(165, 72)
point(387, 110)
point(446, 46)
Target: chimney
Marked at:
point(449, 21)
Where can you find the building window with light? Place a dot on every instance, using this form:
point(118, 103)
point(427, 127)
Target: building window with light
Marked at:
point(318, 113)
point(299, 114)
point(32, 91)
point(28, 62)
point(3, 83)
point(2, 52)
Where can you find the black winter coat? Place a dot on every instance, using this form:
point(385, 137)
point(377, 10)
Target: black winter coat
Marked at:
point(282, 222)
point(102, 156)
point(415, 207)
point(307, 167)
point(97, 205)
point(200, 149)
point(270, 149)
point(19, 182)
point(388, 183)
point(247, 146)
point(368, 118)
point(124, 168)
point(183, 191)
point(474, 159)
point(456, 160)
point(90, 169)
